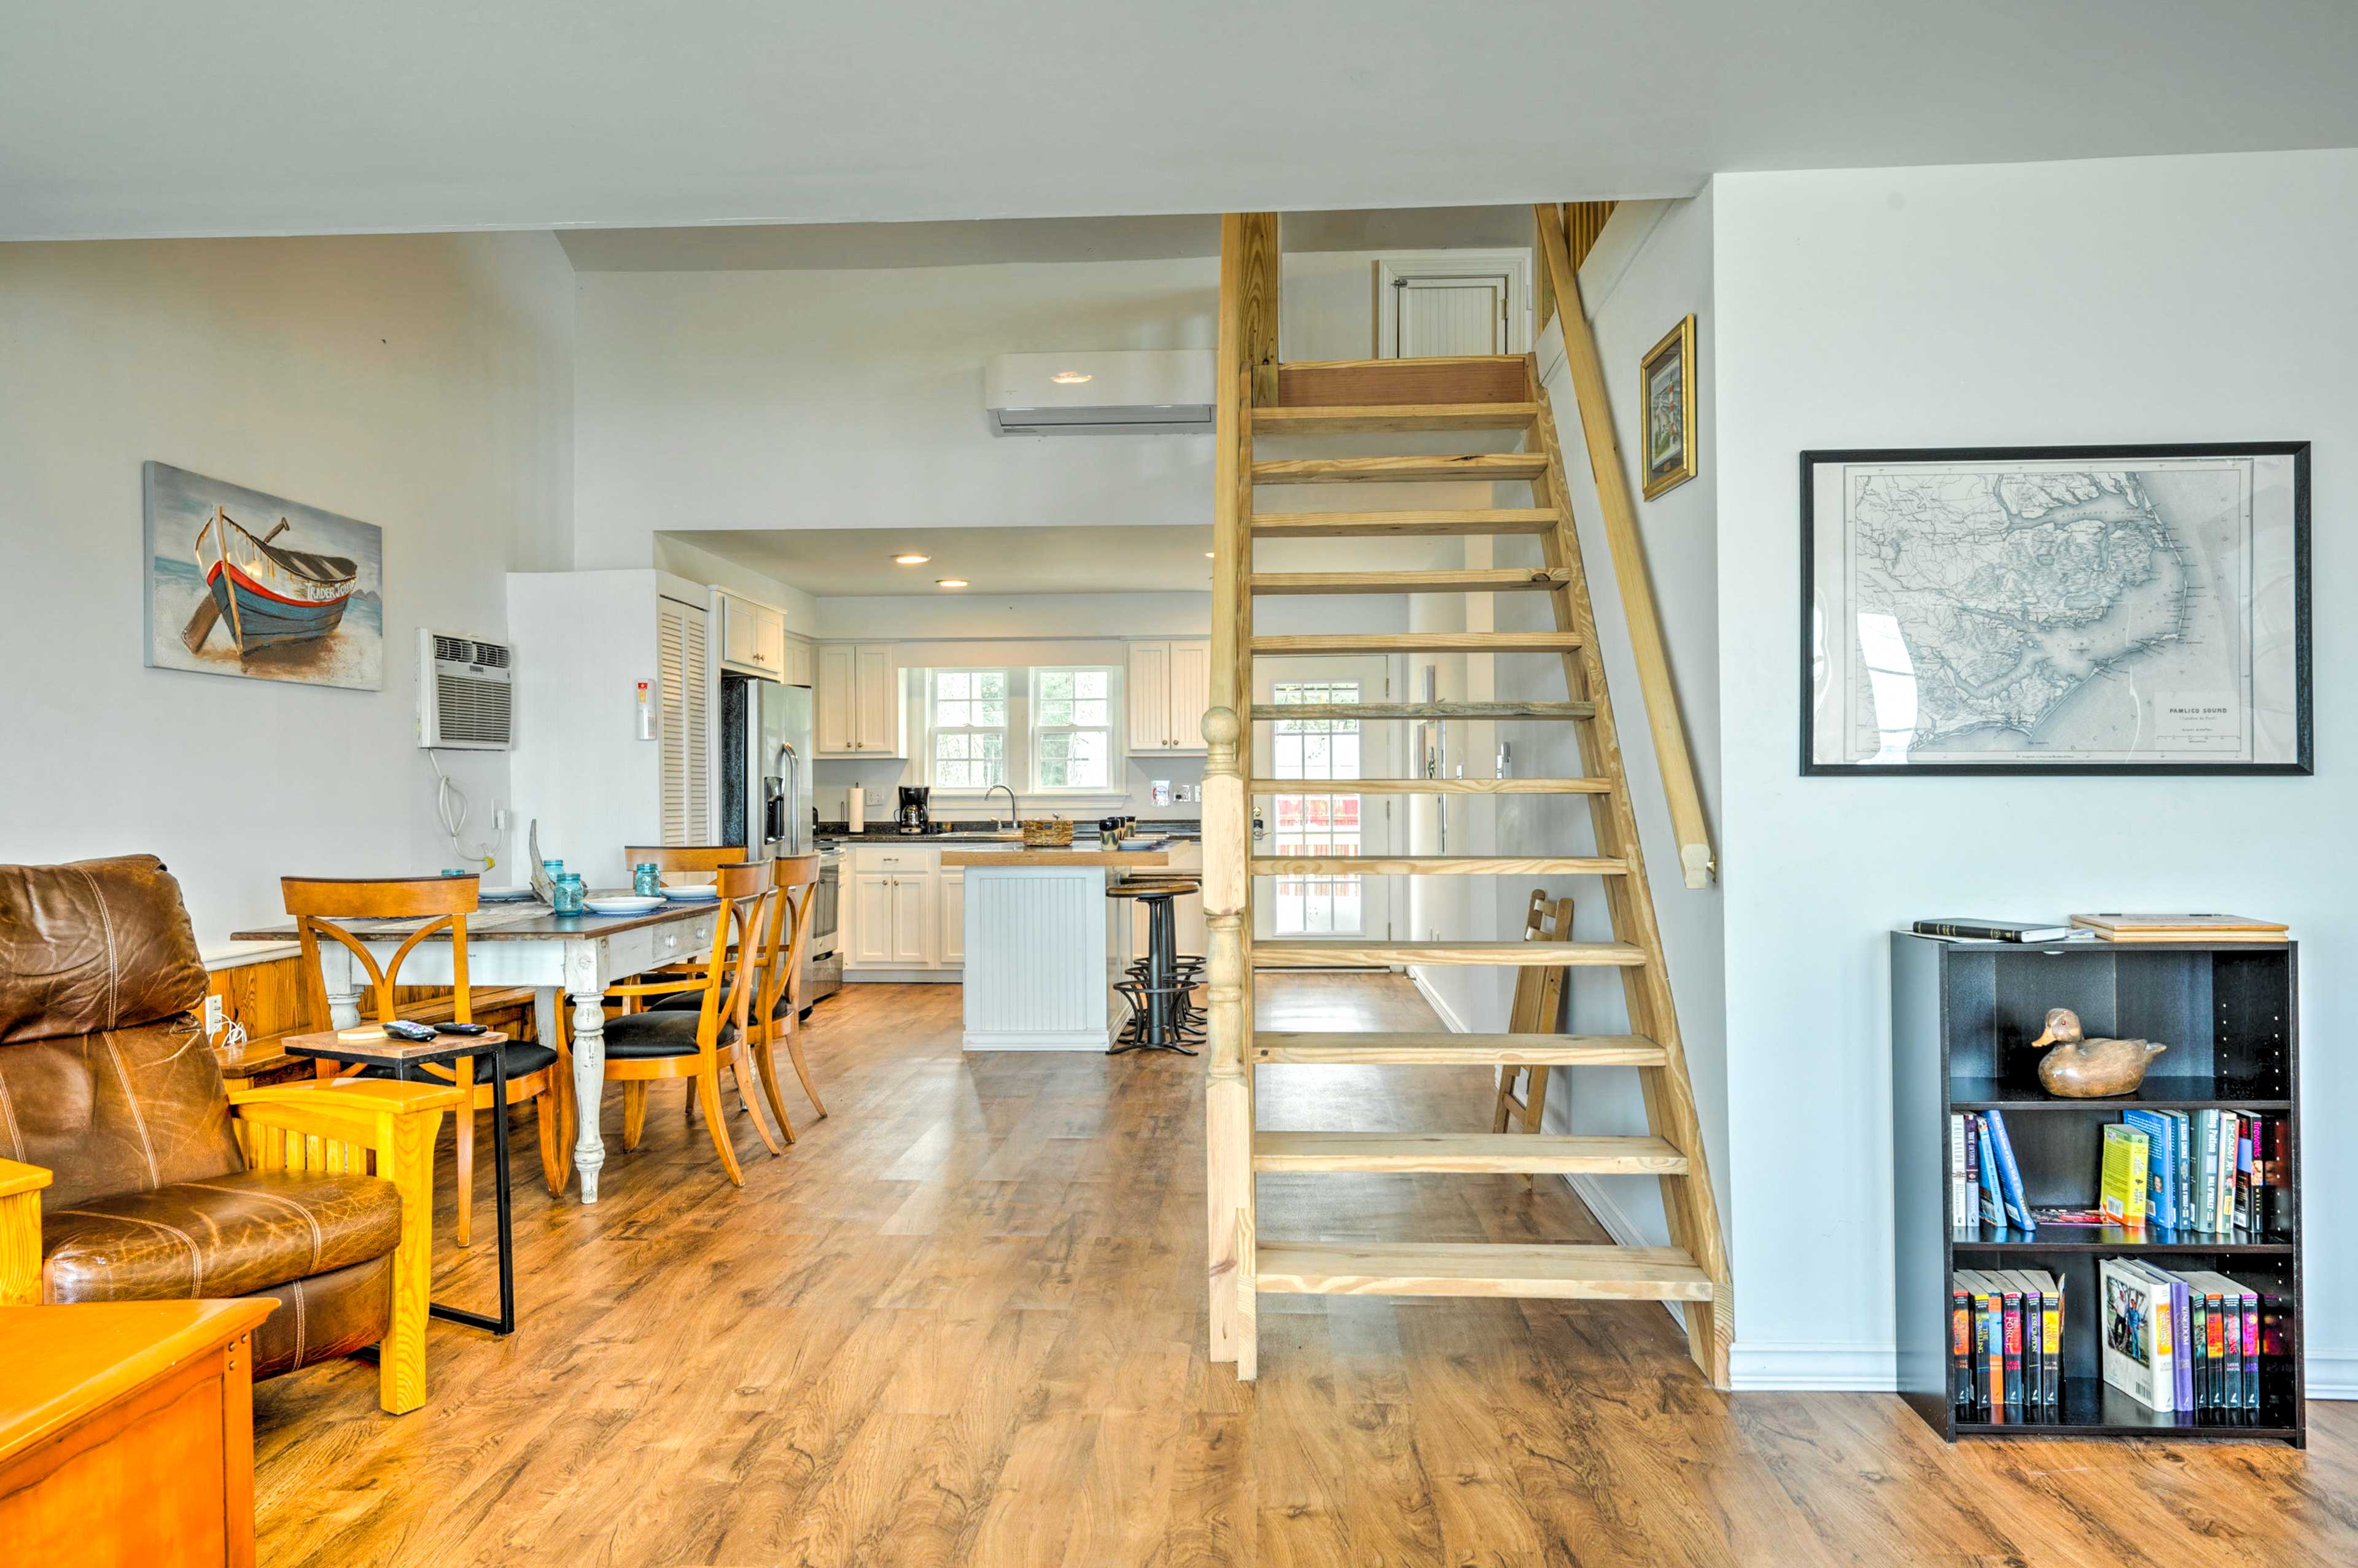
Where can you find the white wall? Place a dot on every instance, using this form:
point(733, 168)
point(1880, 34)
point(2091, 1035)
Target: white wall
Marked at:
point(2146, 300)
point(421, 384)
point(1652, 265)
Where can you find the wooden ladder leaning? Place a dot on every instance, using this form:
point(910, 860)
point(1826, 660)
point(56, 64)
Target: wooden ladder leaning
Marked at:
point(1258, 397)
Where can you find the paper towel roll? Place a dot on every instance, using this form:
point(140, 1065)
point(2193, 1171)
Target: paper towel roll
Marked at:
point(856, 809)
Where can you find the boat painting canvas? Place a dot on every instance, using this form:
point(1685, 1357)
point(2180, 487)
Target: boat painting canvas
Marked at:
point(241, 583)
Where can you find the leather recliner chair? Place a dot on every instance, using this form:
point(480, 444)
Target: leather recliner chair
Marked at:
point(159, 1183)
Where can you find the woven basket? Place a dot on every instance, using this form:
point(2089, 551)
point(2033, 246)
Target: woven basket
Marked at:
point(1054, 833)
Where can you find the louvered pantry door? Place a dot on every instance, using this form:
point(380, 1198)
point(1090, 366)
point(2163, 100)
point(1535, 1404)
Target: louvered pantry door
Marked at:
point(685, 738)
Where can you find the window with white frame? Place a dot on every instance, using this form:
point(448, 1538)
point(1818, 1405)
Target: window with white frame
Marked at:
point(1072, 729)
point(968, 724)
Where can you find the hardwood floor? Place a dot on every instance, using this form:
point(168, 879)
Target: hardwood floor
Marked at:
point(962, 1322)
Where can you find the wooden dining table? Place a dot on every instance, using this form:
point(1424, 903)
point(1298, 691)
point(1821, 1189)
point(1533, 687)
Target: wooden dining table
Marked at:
point(576, 956)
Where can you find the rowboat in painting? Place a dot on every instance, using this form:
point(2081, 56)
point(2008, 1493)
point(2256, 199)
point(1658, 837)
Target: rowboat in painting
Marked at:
point(268, 594)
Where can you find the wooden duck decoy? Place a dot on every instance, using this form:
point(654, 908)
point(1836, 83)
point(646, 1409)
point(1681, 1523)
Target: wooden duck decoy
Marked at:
point(2081, 1068)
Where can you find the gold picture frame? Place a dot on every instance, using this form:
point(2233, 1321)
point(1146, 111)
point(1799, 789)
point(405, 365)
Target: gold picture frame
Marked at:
point(1666, 391)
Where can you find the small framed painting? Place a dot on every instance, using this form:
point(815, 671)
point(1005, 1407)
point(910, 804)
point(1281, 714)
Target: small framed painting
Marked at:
point(2056, 610)
point(1667, 378)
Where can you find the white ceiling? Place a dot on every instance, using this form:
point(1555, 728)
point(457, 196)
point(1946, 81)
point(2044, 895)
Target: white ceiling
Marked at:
point(832, 563)
point(145, 117)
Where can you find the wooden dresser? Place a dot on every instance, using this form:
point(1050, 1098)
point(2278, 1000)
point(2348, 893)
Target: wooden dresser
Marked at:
point(127, 1433)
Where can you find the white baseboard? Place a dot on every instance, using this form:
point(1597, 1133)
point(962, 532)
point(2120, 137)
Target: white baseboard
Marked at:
point(1799, 1365)
point(2332, 1374)
point(1095, 1039)
point(1448, 1014)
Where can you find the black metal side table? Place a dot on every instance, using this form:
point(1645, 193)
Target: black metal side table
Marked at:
point(405, 1060)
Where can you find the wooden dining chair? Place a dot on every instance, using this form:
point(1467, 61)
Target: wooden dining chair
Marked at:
point(698, 1022)
point(778, 1005)
point(318, 903)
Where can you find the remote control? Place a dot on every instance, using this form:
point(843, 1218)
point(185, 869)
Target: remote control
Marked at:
point(402, 1029)
point(462, 1029)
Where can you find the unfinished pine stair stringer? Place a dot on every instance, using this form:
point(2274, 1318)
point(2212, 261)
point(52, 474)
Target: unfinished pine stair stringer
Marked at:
point(1259, 396)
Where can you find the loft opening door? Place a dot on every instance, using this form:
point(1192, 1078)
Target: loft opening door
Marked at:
point(1451, 304)
point(1325, 818)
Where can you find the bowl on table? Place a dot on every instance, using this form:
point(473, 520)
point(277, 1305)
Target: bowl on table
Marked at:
point(621, 901)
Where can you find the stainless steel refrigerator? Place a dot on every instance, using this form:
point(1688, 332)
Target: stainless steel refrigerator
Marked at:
point(765, 781)
point(765, 800)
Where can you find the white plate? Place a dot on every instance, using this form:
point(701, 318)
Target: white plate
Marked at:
point(707, 895)
point(621, 904)
point(516, 894)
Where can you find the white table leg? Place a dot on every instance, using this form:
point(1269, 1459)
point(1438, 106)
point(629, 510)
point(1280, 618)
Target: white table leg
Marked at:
point(588, 987)
point(341, 976)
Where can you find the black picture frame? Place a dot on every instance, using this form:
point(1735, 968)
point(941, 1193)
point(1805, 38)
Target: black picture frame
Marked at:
point(2298, 451)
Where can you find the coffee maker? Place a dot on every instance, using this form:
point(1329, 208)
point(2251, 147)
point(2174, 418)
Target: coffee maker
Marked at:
point(913, 816)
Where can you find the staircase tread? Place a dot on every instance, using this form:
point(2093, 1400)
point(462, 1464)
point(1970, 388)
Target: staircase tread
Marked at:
point(1441, 865)
point(1538, 955)
point(1567, 1269)
point(1425, 710)
point(1444, 787)
point(1494, 1152)
point(1341, 642)
point(1345, 419)
point(1439, 1048)
point(1468, 580)
point(1410, 520)
point(1435, 468)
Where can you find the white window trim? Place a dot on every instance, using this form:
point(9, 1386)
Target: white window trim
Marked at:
point(1117, 757)
point(1005, 732)
point(1029, 801)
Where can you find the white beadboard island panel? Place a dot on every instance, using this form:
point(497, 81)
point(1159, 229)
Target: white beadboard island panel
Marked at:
point(1037, 955)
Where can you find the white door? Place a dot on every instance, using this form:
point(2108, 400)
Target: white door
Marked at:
point(872, 919)
point(1191, 693)
point(1322, 820)
point(1450, 316)
point(686, 739)
point(952, 945)
point(913, 902)
point(1149, 697)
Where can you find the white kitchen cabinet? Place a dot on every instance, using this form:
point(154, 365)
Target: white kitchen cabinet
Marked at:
point(871, 920)
point(950, 895)
point(858, 708)
point(913, 921)
point(1170, 686)
point(800, 661)
point(752, 636)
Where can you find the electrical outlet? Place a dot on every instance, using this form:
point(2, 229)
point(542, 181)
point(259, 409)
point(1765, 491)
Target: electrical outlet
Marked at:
point(498, 818)
point(213, 1016)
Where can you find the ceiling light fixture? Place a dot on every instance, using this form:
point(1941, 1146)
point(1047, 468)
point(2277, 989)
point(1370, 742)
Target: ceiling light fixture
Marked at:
point(1207, 555)
point(1069, 377)
point(911, 558)
point(949, 582)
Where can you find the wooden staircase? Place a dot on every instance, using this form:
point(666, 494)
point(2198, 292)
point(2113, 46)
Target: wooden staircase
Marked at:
point(1260, 397)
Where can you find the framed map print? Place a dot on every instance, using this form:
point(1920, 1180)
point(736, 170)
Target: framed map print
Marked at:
point(2057, 610)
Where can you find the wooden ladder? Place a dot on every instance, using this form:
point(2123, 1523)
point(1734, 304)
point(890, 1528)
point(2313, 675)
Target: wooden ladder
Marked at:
point(1259, 396)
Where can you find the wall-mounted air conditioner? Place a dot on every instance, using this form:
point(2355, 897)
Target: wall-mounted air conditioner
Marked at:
point(466, 694)
point(1131, 392)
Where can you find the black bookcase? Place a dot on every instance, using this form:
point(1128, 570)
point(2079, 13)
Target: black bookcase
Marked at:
point(1963, 1017)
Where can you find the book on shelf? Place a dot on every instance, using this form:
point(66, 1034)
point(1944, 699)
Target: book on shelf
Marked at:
point(1993, 1201)
point(2066, 1216)
point(2005, 1341)
point(2161, 1164)
point(2198, 927)
point(1959, 929)
point(2135, 1329)
point(2016, 1205)
point(2122, 1185)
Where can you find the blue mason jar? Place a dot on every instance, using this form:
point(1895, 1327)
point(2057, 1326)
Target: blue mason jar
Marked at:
point(568, 892)
point(647, 880)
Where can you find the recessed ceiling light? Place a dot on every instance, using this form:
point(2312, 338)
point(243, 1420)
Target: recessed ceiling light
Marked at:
point(1207, 555)
point(911, 558)
point(949, 582)
point(1069, 377)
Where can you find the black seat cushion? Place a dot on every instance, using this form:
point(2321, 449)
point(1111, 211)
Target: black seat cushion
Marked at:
point(643, 1037)
point(692, 1001)
point(524, 1060)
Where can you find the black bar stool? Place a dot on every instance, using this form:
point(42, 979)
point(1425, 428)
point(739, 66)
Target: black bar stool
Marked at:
point(1156, 990)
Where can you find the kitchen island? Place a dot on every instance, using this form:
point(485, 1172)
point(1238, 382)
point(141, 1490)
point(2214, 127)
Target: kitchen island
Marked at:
point(1041, 944)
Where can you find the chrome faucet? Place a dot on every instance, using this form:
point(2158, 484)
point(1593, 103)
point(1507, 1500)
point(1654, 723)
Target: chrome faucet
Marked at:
point(1012, 808)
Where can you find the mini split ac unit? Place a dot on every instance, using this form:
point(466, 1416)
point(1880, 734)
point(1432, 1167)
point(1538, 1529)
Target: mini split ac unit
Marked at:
point(1135, 391)
point(466, 694)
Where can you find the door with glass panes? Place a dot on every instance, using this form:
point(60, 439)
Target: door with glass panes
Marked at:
point(1324, 817)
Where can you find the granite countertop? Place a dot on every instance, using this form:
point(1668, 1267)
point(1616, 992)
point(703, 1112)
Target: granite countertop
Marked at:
point(836, 833)
point(1151, 852)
